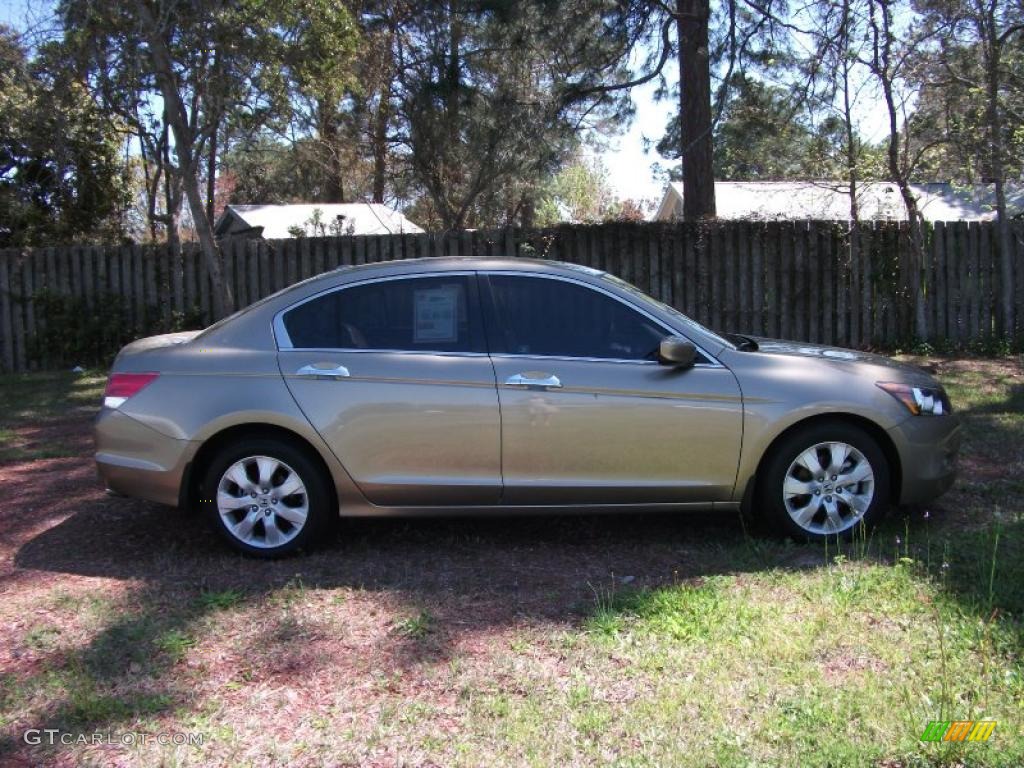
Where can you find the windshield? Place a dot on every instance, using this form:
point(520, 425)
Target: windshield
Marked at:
point(650, 301)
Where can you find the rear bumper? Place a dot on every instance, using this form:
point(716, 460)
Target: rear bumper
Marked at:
point(135, 460)
point(928, 448)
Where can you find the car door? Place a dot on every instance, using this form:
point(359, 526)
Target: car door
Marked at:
point(588, 416)
point(394, 375)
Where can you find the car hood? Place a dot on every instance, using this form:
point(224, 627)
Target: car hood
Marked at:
point(848, 359)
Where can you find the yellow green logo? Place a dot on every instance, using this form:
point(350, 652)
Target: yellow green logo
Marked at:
point(958, 730)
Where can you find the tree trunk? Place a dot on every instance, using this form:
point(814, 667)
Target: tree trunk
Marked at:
point(848, 127)
point(330, 138)
point(997, 170)
point(380, 145)
point(882, 68)
point(211, 178)
point(696, 151)
point(188, 163)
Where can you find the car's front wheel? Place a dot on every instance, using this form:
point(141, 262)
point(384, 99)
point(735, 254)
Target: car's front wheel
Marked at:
point(825, 480)
point(266, 497)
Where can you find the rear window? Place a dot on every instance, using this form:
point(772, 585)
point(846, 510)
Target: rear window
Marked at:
point(407, 314)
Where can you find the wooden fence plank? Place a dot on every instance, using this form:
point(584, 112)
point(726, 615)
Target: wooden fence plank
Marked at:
point(305, 259)
point(852, 254)
point(165, 282)
point(252, 258)
point(727, 284)
point(263, 256)
point(28, 288)
point(6, 326)
point(188, 280)
point(744, 304)
point(827, 253)
point(973, 287)
point(983, 310)
point(88, 283)
point(654, 266)
point(937, 289)
point(866, 303)
point(757, 279)
point(17, 311)
point(816, 308)
point(138, 290)
point(787, 256)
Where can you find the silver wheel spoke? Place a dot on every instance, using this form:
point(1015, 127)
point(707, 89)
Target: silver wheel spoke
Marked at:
point(243, 529)
point(794, 487)
point(272, 535)
point(267, 468)
point(859, 502)
point(860, 472)
point(835, 520)
point(806, 515)
point(291, 485)
point(236, 474)
point(809, 461)
point(227, 501)
point(294, 515)
point(839, 452)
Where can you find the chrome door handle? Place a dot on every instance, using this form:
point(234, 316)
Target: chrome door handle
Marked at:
point(316, 372)
point(549, 381)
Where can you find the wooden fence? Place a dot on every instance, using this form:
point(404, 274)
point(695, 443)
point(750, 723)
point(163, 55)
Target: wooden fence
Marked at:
point(809, 281)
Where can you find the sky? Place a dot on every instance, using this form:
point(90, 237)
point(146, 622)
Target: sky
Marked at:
point(629, 167)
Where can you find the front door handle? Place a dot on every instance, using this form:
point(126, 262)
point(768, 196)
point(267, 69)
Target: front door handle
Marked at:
point(323, 371)
point(534, 379)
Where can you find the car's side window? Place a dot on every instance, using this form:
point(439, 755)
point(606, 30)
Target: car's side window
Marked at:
point(427, 314)
point(555, 318)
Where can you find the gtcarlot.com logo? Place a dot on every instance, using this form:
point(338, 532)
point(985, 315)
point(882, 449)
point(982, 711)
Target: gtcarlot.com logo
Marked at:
point(54, 736)
point(958, 730)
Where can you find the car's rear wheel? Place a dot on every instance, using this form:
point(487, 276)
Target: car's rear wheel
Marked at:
point(267, 498)
point(825, 480)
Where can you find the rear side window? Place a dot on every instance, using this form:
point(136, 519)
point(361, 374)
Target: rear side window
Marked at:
point(430, 314)
point(554, 318)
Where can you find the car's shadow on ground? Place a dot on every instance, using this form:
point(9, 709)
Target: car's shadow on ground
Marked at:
point(525, 557)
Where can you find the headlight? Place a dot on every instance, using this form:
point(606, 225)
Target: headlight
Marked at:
point(920, 401)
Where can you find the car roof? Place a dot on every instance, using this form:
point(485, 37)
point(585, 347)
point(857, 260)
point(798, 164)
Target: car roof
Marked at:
point(476, 263)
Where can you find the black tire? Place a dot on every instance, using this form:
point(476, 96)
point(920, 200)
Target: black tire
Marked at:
point(319, 501)
point(772, 479)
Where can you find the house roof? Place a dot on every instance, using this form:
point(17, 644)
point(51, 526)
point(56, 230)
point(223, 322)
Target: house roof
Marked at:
point(830, 200)
point(279, 221)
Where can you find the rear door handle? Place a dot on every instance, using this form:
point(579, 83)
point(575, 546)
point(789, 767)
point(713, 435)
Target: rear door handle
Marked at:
point(532, 379)
point(323, 371)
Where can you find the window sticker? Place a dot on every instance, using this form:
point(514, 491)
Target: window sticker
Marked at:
point(436, 314)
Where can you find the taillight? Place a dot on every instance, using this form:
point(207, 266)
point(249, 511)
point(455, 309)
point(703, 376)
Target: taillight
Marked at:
point(121, 386)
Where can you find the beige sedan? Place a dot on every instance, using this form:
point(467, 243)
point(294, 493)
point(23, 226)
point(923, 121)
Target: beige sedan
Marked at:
point(450, 385)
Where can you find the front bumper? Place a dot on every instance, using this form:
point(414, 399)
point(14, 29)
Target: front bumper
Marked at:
point(928, 447)
point(135, 460)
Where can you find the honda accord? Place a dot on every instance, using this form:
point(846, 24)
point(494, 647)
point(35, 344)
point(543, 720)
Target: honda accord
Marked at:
point(479, 386)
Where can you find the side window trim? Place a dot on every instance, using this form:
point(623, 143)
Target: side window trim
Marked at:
point(474, 313)
point(486, 295)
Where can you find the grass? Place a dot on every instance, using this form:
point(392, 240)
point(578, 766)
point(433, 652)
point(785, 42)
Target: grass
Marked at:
point(34, 401)
point(634, 642)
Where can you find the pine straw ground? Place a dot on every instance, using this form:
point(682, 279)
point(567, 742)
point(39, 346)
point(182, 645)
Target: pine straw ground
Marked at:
point(570, 641)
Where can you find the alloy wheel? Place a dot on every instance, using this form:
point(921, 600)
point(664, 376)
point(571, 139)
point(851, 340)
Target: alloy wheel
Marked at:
point(262, 501)
point(828, 488)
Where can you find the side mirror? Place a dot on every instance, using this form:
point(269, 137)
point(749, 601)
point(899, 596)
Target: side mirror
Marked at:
point(677, 352)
